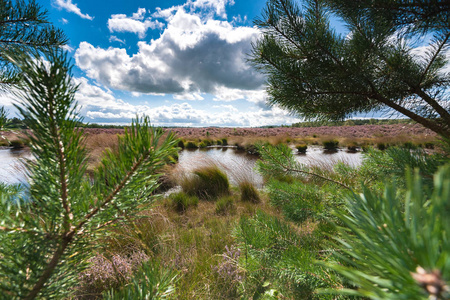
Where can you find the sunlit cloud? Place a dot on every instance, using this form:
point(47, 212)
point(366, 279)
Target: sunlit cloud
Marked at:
point(71, 7)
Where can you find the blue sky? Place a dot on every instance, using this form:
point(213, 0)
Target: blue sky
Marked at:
point(183, 63)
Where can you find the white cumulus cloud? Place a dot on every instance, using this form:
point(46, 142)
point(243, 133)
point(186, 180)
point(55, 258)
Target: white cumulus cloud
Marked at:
point(101, 106)
point(194, 55)
point(71, 7)
point(135, 24)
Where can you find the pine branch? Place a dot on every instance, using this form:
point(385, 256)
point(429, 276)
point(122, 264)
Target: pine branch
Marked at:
point(289, 169)
point(50, 268)
point(111, 196)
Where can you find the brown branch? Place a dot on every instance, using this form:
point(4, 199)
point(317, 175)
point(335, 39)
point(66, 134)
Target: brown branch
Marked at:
point(111, 195)
point(49, 269)
point(441, 46)
point(415, 117)
point(57, 140)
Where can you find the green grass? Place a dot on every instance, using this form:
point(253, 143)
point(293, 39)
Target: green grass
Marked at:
point(191, 145)
point(301, 148)
point(248, 192)
point(330, 145)
point(207, 183)
point(225, 205)
point(180, 202)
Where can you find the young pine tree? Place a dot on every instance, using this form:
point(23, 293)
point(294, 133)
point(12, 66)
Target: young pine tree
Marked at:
point(48, 232)
point(24, 28)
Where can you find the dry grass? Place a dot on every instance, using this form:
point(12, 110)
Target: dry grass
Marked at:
point(191, 243)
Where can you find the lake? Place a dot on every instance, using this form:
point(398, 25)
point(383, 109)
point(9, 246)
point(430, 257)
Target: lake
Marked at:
point(237, 164)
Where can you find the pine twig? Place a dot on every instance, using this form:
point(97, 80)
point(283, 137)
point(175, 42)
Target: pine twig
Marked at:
point(289, 169)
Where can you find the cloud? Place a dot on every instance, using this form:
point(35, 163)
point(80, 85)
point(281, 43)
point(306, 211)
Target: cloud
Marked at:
point(71, 7)
point(114, 38)
point(210, 8)
point(101, 106)
point(67, 48)
point(228, 107)
point(135, 24)
point(217, 6)
point(195, 54)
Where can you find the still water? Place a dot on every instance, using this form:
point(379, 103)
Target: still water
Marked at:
point(11, 165)
point(241, 165)
point(237, 164)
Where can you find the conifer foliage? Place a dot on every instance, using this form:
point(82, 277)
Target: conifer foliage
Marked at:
point(48, 231)
point(320, 74)
point(397, 247)
point(24, 28)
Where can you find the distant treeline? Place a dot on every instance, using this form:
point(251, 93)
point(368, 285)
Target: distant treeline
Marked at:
point(16, 123)
point(353, 122)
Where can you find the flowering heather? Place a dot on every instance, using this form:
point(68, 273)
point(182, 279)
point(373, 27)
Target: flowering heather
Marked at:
point(228, 272)
point(105, 273)
point(361, 131)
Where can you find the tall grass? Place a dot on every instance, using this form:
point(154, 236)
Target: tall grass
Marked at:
point(207, 182)
point(248, 192)
point(181, 201)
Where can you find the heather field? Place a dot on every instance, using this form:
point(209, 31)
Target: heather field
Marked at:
point(360, 131)
point(362, 135)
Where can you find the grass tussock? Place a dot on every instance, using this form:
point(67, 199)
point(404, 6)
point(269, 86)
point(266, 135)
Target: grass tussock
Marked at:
point(301, 148)
point(207, 182)
point(225, 205)
point(181, 201)
point(330, 145)
point(248, 192)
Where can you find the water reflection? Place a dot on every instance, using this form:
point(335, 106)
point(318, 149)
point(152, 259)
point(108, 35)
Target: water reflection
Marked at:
point(238, 164)
point(11, 165)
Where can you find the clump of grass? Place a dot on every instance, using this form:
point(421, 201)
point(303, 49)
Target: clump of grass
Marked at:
point(219, 142)
point(181, 201)
point(429, 145)
point(224, 141)
point(330, 144)
point(352, 148)
point(409, 145)
point(225, 205)
point(181, 144)
point(301, 148)
point(202, 145)
point(191, 145)
point(248, 192)
point(172, 159)
point(206, 182)
point(17, 144)
point(381, 146)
